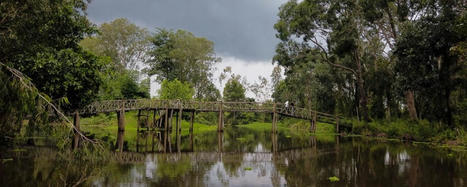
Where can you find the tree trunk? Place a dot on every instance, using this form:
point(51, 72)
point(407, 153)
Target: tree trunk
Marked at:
point(409, 96)
point(363, 97)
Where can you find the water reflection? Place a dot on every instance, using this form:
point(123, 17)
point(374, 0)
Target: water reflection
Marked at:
point(242, 157)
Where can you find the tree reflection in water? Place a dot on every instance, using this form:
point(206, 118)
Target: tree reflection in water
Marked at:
point(241, 156)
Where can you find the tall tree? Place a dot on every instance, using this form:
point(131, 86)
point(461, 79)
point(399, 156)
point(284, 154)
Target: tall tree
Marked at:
point(425, 61)
point(332, 27)
point(183, 56)
point(234, 90)
point(125, 43)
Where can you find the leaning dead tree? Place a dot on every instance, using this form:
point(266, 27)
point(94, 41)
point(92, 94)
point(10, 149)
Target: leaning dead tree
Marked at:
point(25, 82)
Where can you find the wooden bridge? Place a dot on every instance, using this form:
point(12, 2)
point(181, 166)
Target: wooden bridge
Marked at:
point(163, 112)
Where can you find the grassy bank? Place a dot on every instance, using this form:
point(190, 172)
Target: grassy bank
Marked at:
point(104, 127)
point(420, 131)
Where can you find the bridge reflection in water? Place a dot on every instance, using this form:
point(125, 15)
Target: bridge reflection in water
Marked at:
point(167, 112)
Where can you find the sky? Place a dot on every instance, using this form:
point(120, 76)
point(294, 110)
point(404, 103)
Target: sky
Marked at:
point(242, 30)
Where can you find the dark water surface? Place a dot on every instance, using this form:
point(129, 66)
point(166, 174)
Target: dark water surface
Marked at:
point(244, 157)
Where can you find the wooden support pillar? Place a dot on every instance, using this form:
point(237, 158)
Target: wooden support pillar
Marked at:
point(312, 126)
point(153, 133)
point(315, 120)
point(274, 118)
point(138, 122)
point(179, 127)
point(312, 122)
point(221, 118)
point(180, 112)
point(121, 129)
point(76, 130)
point(154, 119)
point(274, 142)
point(166, 129)
point(192, 120)
point(170, 120)
point(219, 141)
point(176, 125)
point(191, 141)
point(337, 124)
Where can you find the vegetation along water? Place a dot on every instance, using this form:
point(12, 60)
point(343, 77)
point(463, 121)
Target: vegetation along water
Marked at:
point(361, 93)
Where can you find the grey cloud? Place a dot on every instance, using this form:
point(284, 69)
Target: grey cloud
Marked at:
point(239, 28)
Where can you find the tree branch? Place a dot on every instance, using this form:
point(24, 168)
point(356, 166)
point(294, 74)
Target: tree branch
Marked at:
point(315, 41)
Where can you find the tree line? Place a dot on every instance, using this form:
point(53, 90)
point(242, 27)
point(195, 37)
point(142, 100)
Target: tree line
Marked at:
point(50, 50)
point(369, 59)
point(375, 59)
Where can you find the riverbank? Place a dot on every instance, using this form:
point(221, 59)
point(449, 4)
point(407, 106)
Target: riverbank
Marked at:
point(422, 132)
point(105, 128)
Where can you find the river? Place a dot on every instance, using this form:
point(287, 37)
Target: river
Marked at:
point(246, 157)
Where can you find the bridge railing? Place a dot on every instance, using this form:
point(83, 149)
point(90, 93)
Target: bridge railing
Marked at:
point(204, 106)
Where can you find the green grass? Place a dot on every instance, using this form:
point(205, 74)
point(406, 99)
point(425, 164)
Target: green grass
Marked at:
point(417, 131)
point(105, 128)
point(321, 128)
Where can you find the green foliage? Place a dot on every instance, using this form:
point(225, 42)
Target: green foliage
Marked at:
point(75, 75)
point(122, 41)
point(124, 86)
point(361, 58)
point(183, 56)
point(124, 44)
point(426, 65)
point(175, 90)
point(40, 39)
point(234, 90)
point(18, 101)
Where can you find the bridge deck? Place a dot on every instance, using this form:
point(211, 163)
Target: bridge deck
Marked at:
point(202, 106)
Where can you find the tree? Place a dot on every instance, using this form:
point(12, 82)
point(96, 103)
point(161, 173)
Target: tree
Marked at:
point(40, 39)
point(125, 43)
point(333, 28)
point(234, 90)
point(130, 89)
point(425, 61)
point(276, 76)
point(261, 89)
point(183, 56)
point(175, 90)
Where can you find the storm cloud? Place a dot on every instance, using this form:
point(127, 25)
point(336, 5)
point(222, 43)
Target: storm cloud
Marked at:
point(239, 28)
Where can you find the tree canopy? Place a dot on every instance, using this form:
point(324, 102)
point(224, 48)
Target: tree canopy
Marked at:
point(234, 90)
point(183, 56)
point(125, 43)
point(175, 89)
point(40, 39)
point(373, 58)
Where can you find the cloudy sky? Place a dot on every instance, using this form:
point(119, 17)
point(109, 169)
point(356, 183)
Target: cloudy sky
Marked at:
point(242, 30)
